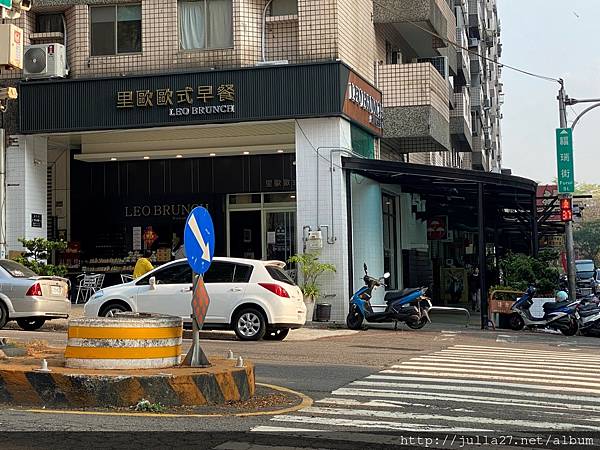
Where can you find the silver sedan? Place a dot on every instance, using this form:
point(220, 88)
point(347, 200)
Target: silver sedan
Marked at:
point(31, 299)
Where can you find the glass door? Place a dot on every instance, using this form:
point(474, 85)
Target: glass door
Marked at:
point(280, 234)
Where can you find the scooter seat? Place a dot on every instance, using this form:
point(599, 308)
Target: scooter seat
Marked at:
point(589, 312)
point(553, 306)
point(390, 296)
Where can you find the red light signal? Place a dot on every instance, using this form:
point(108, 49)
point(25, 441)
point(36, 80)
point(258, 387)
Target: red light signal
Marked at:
point(566, 209)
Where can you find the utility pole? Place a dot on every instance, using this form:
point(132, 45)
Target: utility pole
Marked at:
point(570, 244)
point(563, 102)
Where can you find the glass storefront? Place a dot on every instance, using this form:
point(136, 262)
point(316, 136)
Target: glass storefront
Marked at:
point(121, 208)
point(262, 226)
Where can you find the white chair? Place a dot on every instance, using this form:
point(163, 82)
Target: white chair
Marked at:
point(126, 278)
point(88, 285)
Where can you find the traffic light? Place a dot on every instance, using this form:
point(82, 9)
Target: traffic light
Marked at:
point(566, 209)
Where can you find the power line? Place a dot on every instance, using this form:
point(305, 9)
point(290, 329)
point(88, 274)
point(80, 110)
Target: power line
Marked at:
point(448, 41)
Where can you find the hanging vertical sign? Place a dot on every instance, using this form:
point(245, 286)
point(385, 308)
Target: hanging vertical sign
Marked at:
point(564, 160)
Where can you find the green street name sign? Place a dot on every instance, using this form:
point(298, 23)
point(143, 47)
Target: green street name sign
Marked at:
point(6, 4)
point(564, 160)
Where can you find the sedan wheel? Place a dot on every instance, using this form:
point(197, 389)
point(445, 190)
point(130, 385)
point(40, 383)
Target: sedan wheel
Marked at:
point(112, 309)
point(3, 315)
point(249, 325)
point(31, 324)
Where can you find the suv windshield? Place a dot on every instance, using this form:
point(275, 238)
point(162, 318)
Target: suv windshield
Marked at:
point(585, 269)
point(279, 275)
point(17, 270)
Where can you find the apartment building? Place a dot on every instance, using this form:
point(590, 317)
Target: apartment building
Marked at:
point(130, 113)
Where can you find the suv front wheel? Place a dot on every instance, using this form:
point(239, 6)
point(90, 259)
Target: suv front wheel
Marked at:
point(249, 324)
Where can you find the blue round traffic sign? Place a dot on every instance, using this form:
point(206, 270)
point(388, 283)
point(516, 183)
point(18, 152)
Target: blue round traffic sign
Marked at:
point(199, 240)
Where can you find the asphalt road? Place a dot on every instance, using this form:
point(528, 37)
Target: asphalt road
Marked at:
point(378, 382)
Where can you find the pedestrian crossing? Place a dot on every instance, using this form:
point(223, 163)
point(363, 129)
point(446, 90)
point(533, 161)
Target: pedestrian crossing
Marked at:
point(462, 389)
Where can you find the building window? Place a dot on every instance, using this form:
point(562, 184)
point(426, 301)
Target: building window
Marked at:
point(284, 8)
point(49, 23)
point(362, 142)
point(115, 29)
point(205, 24)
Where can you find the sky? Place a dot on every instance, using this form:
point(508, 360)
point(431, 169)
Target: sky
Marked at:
point(559, 39)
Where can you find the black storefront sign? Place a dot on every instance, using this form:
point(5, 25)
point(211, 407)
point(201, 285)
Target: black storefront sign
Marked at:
point(36, 220)
point(249, 94)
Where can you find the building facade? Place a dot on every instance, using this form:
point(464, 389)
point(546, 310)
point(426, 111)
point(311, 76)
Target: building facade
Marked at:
point(248, 107)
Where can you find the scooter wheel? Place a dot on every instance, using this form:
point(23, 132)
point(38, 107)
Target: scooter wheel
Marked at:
point(516, 322)
point(417, 325)
point(571, 330)
point(355, 319)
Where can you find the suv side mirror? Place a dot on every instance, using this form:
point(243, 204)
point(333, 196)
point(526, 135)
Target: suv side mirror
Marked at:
point(152, 282)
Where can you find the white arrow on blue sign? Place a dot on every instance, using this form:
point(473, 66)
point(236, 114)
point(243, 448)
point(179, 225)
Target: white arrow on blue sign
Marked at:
point(199, 240)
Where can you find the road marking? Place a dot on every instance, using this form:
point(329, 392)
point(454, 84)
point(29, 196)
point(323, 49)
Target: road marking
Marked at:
point(464, 368)
point(594, 368)
point(467, 386)
point(461, 419)
point(512, 357)
point(483, 376)
point(376, 424)
point(452, 398)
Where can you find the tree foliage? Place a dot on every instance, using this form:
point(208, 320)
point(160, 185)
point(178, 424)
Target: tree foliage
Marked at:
point(520, 271)
point(587, 239)
point(311, 269)
point(37, 254)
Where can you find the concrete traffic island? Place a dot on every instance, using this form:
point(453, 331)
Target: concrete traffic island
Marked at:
point(117, 362)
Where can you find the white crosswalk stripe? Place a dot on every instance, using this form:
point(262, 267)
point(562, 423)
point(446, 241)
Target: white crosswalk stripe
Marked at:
point(464, 388)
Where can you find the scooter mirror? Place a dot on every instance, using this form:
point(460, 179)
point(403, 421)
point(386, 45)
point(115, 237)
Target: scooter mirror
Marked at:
point(386, 275)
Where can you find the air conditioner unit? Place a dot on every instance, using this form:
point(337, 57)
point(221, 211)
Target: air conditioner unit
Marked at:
point(45, 61)
point(473, 42)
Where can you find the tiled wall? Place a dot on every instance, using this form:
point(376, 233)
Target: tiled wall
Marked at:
point(357, 36)
point(314, 201)
point(414, 85)
point(322, 30)
point(26, 162)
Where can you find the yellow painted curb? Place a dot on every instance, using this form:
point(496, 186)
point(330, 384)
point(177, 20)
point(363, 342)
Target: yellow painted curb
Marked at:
point(306, 402)
point(124, 333)
point(122, 352)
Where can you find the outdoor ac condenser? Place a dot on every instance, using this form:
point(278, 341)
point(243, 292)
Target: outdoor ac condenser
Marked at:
point(45, 61)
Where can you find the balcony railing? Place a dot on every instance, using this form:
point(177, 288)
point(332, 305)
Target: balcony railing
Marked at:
point(418, 84)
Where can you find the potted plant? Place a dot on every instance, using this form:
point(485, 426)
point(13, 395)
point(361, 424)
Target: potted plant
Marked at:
point(310, 269)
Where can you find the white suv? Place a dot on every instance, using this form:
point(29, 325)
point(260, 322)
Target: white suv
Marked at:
point(254, 298)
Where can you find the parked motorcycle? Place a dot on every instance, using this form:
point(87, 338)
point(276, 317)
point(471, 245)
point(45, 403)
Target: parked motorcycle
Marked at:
point(561, 316)
point(589, 315)
point(407, 305)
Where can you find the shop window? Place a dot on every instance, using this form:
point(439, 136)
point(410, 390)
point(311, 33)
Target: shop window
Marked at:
point(284, 7)
point(281, 197)
point(49, 23)
point(205, 24)
point(362, 142)
point(115, 29)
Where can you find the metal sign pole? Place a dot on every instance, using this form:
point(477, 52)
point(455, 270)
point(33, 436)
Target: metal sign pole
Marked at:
point(196, 356)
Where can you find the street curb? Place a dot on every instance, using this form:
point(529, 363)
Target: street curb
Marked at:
point(62, 387)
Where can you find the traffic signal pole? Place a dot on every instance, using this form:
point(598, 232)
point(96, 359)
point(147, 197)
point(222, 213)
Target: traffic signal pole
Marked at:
point(569, 242)
point(563, 102)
